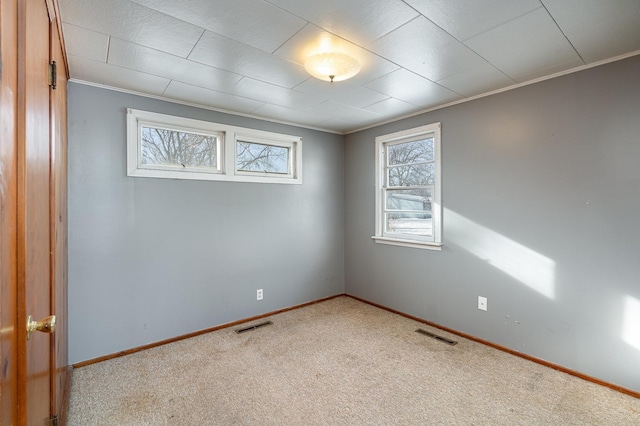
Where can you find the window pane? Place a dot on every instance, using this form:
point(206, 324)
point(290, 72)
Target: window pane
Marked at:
point(171, 147)
point(255, 157)
point(412, 175)
point(408, 205)
point(408, 223)
point(418, 200)
point(411, 152)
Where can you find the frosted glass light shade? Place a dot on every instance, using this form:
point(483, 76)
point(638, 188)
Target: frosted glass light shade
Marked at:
point(332, 66)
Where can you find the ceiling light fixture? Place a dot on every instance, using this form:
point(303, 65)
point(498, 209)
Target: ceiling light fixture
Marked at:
point(332, 66)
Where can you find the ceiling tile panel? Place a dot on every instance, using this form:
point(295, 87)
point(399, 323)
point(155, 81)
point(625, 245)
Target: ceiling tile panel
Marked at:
point(343, 92)
point(424, 48)
point(212, 98)
point(525, 46)
point(86, 43)
point(558, 68)
point(130, 21)
point(236, 57)
point(345, 112)
point(145, 59)
point(411, 88)
point(248, 55)
point(392, 107)
point(270, 93)
point(360, 21)
point(312, 39)
point(289, 115)
point(466, 18)
point(573, 15)
point(481, 79)
point(599, 29)
point(608, 38)
point(357, 96)
point(110, 75)
point(337, 125)
point(236, 19)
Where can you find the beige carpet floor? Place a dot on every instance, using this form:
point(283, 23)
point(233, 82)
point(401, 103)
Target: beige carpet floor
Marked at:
point(338, 362)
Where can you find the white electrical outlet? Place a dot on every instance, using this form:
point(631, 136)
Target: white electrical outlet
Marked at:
point(482, 303)
point(259, 294)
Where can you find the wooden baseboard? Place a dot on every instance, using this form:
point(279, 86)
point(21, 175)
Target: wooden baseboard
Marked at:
point(557, 367)
point(198, 333)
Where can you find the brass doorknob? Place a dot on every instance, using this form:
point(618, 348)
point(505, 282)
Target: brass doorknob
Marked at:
point(47, 325)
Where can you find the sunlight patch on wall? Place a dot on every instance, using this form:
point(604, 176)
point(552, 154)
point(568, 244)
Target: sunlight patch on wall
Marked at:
point(525, 265)
point(631, 325)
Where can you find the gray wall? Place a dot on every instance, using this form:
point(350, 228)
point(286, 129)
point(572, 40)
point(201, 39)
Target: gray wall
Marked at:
point(151, 259)
point(541, 190)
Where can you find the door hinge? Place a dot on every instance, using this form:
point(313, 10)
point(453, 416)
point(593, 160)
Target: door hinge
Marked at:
point(53, 74)
point(53, 421)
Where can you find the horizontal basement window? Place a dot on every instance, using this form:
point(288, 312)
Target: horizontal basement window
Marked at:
point(165, 146)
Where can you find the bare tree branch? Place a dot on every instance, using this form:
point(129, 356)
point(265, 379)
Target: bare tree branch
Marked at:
point(262, 158)
point(171, 147)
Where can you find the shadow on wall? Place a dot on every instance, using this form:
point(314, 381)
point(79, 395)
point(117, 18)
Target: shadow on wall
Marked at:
point(532, 269)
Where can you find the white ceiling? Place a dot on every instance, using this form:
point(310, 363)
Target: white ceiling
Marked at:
point(246, 56)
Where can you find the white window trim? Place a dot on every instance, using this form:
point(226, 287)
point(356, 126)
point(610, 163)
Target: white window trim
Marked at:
point(227, 136)
point(436, 214)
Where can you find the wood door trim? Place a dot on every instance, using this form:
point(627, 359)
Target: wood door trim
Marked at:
point(58, 23)
point(51, 10)
point(58, 226)
point(52, 220)
point(53, 7)
point(63, 414)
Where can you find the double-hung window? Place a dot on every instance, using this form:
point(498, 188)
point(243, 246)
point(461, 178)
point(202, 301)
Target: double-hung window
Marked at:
point(408, 188)
point(165, 146)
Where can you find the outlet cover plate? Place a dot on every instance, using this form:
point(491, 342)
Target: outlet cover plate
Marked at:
point(482, 303)
point(259, 294)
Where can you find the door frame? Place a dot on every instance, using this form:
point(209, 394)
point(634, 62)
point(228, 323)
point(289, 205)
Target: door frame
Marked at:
point(61, 371)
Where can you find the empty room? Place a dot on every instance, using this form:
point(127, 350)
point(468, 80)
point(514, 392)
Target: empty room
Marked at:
point(279, 212)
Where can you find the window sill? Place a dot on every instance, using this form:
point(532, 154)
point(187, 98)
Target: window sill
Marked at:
point(408, 243)
point(171, 174)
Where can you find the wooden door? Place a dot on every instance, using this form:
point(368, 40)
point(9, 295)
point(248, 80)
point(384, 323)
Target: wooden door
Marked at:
point(8, 210)
point(34, 215)
point(32, 212)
